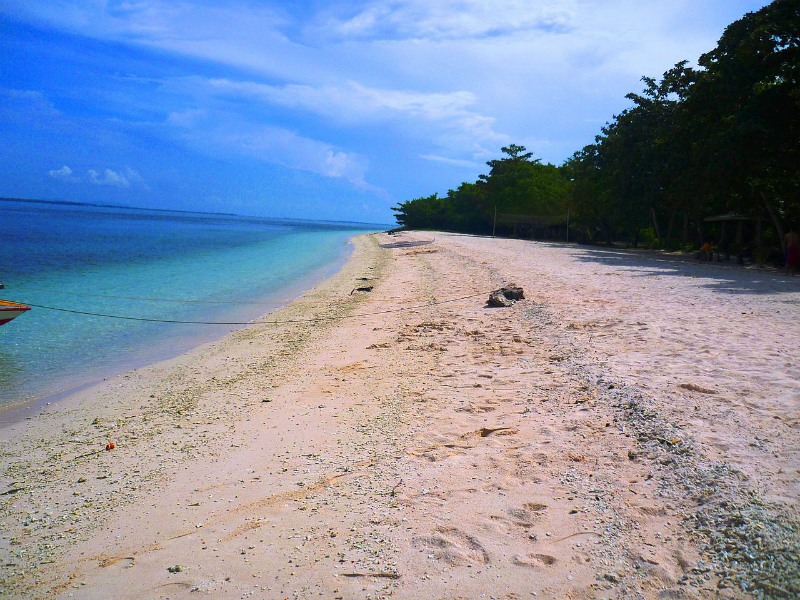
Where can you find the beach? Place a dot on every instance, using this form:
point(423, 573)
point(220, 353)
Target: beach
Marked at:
point(630, 429)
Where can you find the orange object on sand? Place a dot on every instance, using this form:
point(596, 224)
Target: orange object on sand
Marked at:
point(110, 446)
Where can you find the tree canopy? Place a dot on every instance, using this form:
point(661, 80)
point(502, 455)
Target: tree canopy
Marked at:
point(516, 185)
point(719, 138)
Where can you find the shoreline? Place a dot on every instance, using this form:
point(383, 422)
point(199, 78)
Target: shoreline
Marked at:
point(33, 403)
point(137, 410)
point(596, 439)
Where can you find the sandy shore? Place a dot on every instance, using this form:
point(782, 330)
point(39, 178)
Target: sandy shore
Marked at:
point(630, 429)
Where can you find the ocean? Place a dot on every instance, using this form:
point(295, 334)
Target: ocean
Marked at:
point(141, 264)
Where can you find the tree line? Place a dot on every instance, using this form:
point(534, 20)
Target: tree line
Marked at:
point(700, 149)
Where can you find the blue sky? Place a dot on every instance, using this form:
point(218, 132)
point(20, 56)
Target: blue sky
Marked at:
point(316, 108)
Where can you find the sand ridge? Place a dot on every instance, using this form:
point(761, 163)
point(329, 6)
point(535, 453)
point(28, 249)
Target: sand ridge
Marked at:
point(598, 439)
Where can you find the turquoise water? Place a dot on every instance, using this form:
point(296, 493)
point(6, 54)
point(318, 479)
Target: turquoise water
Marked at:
point(142, 264)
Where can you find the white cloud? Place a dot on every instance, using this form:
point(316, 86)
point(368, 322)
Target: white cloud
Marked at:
point(350, 100)
point(63, 174)
point(125, 178)
point(221, 132)
point(340, 164)
point(445, 119)
point(113, 178)
point(29, 108)
point(282, 146)
point(448, 80)
point(239, 33)
point(453, 162)
point(186, 118)
point(447, 19)
point(155, 19)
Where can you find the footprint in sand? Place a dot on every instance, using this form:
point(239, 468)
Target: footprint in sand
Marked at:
point(453, 546)
point(121, 562)
point(476, 408)
point(439, 452)
point(534, 560)
point(528, 514)
point(487, 431)
point(652, 511)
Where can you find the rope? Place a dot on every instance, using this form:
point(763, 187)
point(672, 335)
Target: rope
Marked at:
point(150, 299)
point(288, 321)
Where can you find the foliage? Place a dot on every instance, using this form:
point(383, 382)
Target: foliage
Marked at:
point(515, 185)
point(723, 138)
point(720, 138)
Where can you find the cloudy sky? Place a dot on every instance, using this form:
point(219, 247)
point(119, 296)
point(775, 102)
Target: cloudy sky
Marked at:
point(334, 109)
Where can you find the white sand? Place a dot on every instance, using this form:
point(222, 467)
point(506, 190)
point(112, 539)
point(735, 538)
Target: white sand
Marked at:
point(562, 447)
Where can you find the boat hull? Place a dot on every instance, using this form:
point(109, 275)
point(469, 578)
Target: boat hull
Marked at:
point(11, 310)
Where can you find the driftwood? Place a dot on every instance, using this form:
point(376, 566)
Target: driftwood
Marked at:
point(405, 244)
point(363, 288)
point(505, 296)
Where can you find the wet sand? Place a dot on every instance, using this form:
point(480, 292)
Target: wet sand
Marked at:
point(629, 429)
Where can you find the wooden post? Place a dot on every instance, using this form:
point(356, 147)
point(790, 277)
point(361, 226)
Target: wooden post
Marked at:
point(685, 236)
point(739, 248)
point(670, 228)
point(759, 241)
point(655, 225)
point(775, 221)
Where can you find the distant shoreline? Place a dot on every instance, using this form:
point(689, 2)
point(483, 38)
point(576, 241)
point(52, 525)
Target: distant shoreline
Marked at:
point(119, 206)
point(379, 226)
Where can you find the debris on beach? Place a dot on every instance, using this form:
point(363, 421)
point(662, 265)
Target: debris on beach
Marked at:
point(487, 431)
point(692, 387)
point(407, 244)
point(505, 296)
point(363, 288)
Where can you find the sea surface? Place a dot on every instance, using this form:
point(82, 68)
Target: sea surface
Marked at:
point(141, 264)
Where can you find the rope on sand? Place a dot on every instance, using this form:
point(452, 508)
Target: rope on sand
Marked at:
point(285, 322)
point(153, 299)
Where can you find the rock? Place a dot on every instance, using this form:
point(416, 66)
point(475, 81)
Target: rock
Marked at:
point(497, 299)
point(505, 296)
point(513, 293)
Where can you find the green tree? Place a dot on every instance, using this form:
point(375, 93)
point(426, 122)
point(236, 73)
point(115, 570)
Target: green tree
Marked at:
point(521, 185)
point(516, 184)
point(427, 212)
point(468, 209)
point(746, 112)
point(721, 138)
point(724, 137)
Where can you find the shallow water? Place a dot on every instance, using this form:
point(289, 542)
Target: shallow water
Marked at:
point(141, 264)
